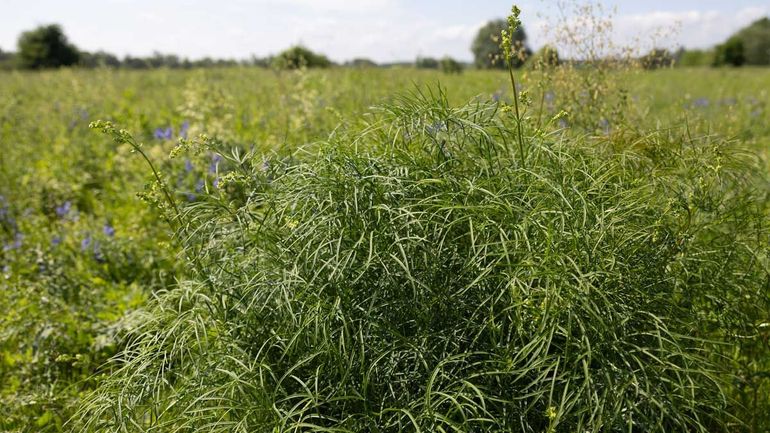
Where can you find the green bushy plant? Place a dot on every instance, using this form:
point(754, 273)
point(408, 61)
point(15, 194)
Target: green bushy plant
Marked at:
point(425, 272)
point(298, 57)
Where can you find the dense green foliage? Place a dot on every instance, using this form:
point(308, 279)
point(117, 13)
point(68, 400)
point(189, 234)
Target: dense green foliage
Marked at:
point(426, 63)
point(730, 53)
point(663, 174)
point(449, 65)
point(300, 57)
point(756, 42)
point(692, 58)
point(46, 47)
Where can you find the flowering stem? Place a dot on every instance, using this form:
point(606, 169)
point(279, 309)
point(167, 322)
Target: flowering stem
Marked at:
point(155, 173)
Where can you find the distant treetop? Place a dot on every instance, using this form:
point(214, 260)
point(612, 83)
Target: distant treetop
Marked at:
point(46, 47)
point(300, 57)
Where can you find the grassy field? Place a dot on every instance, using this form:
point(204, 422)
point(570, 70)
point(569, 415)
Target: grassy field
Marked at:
point(86, 265)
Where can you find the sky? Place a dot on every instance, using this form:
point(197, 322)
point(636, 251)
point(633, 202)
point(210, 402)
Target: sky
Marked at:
point(382, 30)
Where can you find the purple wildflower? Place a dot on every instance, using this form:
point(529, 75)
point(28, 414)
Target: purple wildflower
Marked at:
point(109, 230)
point(199, 185)
point(215, 159)
point(16, 244)
point(86, 242)
point(163, 133)
point(184, 128)
point(436, 127)
point(64, 209)
point(701, 103)
point(56, 241)
point(188, 165)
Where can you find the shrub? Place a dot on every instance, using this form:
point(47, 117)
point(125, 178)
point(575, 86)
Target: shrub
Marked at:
point(730, 53)
point(451, 66)
point(300, 57)
point(426, 63)
point(416, 273)
point(46, 47)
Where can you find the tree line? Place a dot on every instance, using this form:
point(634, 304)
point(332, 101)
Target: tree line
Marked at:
point(47, 47)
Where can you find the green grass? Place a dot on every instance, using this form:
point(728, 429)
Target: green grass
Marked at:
point(388, 268)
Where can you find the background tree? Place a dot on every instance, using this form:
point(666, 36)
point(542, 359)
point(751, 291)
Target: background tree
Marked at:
point(756, 42)
point(46, 47)
point(361, 63)
point(300, 57)
point(693, 58)
point(450, 66)
point(730, 53)
point(486, 46)
point(426, 63)
point(6, 60)
point(99, 59)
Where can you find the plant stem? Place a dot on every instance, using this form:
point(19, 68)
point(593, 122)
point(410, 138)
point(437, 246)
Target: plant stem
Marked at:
point(518, 115)
point(162, 184)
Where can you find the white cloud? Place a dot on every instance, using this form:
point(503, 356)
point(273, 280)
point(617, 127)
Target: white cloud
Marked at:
point(695, 29)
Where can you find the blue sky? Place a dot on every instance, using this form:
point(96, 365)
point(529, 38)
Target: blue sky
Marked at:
point(384, 30)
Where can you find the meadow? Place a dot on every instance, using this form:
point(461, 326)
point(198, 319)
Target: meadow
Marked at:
point(380, 250)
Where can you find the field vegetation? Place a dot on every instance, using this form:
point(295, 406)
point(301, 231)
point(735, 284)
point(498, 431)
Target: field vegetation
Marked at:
point(563, 247)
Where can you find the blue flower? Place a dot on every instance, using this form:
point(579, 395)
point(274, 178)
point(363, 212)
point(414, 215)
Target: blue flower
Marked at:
point(215, 183)
point(108, 230)
point(184, 128)
point(436, 127)
point(56, 241)
point(215, 159)
point(64, 209)
point(188, 165)
point(163, 133)
point(86, 242)
point(18, 237)
point(701, 103)
point(199, 185)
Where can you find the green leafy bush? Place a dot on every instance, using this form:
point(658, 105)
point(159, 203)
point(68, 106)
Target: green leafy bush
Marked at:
point(300, 57)
point(414, 273)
